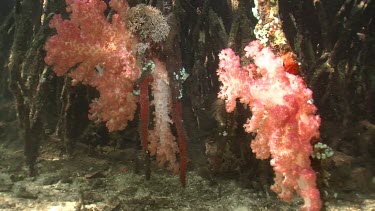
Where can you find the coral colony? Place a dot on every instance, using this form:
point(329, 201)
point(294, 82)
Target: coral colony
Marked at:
point(103, 54)
point(282, 116)
point(100, 53)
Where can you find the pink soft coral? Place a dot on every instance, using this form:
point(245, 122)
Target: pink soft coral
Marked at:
point(162, 141)
point(98, 53)
point(283, 117)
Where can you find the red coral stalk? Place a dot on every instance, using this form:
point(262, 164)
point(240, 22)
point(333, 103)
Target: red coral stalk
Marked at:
point(145, 111)
point(182, 139)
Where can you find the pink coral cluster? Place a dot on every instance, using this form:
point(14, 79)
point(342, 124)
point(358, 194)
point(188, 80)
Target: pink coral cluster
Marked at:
point(98, 53)
point(162, 142)
point(283, 117)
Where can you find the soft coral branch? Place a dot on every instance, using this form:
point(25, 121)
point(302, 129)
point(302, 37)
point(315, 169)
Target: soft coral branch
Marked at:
point(283, 117)
point(162, 142)
point(97, 53)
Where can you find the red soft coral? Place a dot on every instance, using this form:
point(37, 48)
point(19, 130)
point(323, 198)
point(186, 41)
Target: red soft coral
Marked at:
point(282, 116)
point(97, 53)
